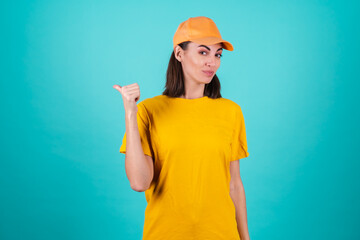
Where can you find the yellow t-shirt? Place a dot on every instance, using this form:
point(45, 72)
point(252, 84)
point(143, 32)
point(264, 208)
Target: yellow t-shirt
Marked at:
point(192, 142)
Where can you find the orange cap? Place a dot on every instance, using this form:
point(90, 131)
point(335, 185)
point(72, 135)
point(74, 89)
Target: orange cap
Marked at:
point(201, 30)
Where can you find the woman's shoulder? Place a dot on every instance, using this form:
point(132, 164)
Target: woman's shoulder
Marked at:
point(229, 103)
point(152, 100)
point(158, 100)
point(150, 103)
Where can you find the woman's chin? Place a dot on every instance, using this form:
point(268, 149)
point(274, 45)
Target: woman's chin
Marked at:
point(208, 79)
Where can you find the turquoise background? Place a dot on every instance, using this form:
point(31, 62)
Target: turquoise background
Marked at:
point(294, 71)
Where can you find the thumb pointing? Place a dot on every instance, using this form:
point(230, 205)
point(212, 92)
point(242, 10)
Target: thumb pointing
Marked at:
point(118, 87)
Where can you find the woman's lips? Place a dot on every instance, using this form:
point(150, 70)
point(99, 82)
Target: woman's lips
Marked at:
point(208, 73)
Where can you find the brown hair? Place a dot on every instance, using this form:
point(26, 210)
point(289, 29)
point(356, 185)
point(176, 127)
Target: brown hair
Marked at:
point(175, 86)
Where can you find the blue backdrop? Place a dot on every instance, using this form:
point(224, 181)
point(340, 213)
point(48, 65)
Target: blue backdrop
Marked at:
point(294, 71)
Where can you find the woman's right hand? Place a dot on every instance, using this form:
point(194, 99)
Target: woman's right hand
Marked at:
point(130, 94)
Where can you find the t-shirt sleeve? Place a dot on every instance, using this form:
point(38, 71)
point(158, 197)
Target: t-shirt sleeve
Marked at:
point(144, 131)
point(239, 144)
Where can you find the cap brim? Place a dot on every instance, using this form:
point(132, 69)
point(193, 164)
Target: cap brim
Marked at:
point(213, 40)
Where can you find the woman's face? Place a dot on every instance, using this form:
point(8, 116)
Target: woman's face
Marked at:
point(200, 62)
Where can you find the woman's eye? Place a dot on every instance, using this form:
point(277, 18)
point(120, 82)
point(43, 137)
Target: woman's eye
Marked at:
point(219, 55)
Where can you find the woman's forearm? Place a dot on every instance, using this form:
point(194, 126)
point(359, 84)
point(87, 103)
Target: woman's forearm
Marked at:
point(137, 167)
point(238, 197)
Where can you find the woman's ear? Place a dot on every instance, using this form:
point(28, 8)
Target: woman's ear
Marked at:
point(178, 51)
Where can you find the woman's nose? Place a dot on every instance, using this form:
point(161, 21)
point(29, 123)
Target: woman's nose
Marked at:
point(211, 62)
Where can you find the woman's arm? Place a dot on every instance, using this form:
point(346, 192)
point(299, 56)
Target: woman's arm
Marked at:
point(139, 167)
point(237, 194)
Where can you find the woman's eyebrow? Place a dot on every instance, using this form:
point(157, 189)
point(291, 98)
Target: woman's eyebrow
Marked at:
point(208, 47)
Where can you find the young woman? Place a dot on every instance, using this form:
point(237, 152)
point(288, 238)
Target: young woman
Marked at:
point(183, 147)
